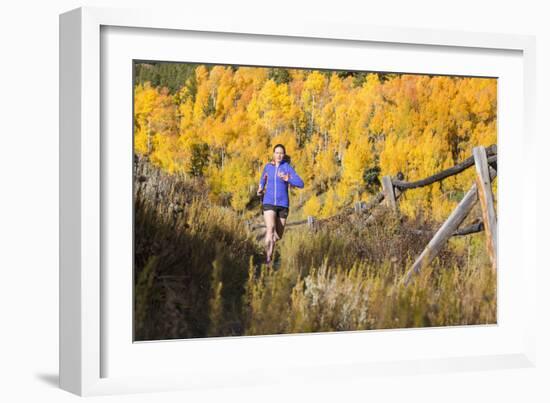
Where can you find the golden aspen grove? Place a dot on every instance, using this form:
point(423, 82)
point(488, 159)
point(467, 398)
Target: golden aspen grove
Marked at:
point(203, 134)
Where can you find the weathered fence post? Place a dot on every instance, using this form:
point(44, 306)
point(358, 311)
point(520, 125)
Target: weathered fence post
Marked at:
point(446, 230)
point(485, 195)
point(389, 195)
point(310, 221)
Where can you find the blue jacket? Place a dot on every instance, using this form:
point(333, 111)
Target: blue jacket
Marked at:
point(276, 189)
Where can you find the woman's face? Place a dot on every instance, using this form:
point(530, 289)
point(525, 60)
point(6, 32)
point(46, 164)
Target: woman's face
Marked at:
point(278, 154)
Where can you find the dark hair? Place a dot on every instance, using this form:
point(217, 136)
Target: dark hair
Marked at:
point(286, 157)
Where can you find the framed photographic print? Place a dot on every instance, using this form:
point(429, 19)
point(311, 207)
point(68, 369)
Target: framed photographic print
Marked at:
point(238, 198)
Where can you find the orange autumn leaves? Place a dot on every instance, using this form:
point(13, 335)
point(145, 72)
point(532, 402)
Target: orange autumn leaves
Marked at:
point(334, 127)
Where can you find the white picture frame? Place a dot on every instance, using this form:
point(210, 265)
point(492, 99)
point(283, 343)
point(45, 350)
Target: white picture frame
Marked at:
point(87, 314)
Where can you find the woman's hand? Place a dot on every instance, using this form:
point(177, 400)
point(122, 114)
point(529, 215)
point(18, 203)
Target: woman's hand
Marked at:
point(284, 176)
point(260, 191)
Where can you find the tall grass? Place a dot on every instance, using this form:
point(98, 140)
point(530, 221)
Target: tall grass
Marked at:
point(364, 294)
point(191, 260)
point(199, 273)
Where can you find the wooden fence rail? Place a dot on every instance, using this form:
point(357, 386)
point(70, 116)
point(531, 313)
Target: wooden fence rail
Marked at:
point(438, 177)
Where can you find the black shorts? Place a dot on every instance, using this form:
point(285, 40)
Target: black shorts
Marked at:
point(280, 211)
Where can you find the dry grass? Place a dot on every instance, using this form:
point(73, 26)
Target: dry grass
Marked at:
point(364, 294)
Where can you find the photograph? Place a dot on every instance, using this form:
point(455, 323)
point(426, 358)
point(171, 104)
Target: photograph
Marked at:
point(274, 200)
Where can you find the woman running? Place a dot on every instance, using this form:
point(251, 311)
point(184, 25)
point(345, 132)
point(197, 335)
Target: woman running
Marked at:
point(276, 178)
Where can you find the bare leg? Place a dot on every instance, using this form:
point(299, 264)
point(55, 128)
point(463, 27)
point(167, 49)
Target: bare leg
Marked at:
point(279, 227)
point(269, 218)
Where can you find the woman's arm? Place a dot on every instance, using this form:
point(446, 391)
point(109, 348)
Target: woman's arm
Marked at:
point(263, 180)
point(294, 179)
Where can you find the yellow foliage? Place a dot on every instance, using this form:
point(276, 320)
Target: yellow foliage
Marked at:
point(357, 157)
point(140, 140)
point(330, 206)
point(334, 128)
point(237, 179)
point(312, 207)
